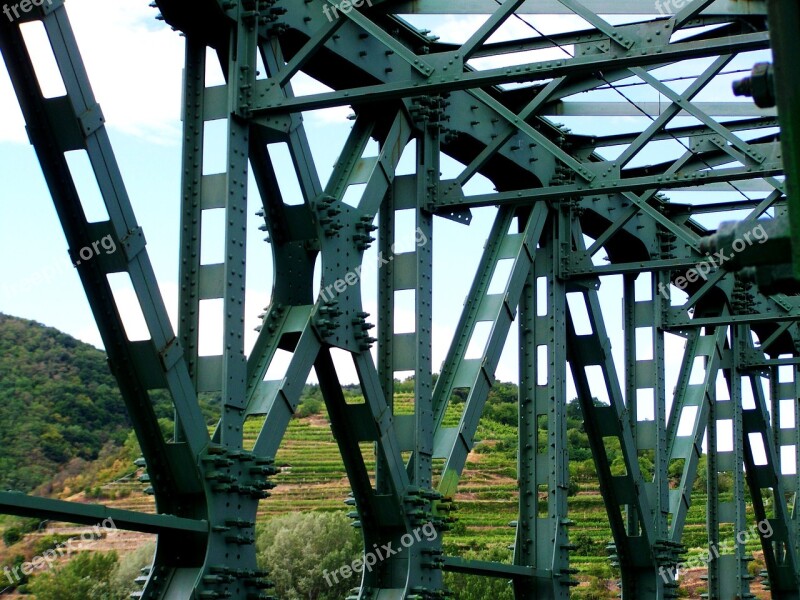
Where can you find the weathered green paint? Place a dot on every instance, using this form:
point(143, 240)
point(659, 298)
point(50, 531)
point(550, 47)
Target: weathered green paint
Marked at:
point(567, 202)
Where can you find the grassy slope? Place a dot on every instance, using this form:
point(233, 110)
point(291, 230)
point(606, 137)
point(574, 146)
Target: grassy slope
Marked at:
point(62, 423)
point(313, 479)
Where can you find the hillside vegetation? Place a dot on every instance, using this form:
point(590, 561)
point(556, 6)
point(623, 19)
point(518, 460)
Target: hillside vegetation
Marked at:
point(58, 403)
point(65, 434)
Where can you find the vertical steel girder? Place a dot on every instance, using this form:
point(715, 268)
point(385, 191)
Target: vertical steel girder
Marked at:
point(542, 528)
point(560, 202)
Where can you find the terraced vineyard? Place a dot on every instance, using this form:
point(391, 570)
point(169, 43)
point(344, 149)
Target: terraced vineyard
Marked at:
point(312, 478)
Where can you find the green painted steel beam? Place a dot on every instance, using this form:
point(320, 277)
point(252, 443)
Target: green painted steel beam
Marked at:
point(554, 7)
point(406, 87)
point(438, 84)
point(23, 505)
point(455, 564)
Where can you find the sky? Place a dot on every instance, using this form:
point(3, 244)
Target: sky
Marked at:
point(135, 65)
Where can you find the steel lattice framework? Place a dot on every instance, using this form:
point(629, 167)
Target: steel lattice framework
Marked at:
point(562, 198)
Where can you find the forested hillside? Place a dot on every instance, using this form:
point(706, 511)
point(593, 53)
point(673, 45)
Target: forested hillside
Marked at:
point(64, 432)
point(58, 403)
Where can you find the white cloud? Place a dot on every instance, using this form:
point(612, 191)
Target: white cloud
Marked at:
point(134, 64)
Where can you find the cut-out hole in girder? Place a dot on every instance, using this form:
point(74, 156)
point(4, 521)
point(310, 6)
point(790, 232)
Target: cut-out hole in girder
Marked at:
point(368, 452)
point(542, 505)
point(513, 226)
point(405, 226)
point(612, 446)
point(212, 236)
point(405, 311)
point(353, 193)
point(725, 435)
point(501, 276)
point(211, 329)
point(789, 460)
point(215, 147)
point(748, 399)
point(786, 409)
point(214, 75)
point(542, 365)
point(675, 472)
point(698, 374)
point(643, 287)
point(128, 307)
point(404, 380)
point(85, 180)
point(579, 313)
point(252, 427)
point(353, 394)
point(343, 361)
point(768, 496)
point(279, 365)
point(723, 393)
point(261, 70)
point(407, 165)
point(285, 173)
point(597, 384)
point(687, 420)
point(541, 296)
point(758, 448)
point(646, 466)
point(645, 404)
point(644, 343)
point(44, 61)
point(479, 339)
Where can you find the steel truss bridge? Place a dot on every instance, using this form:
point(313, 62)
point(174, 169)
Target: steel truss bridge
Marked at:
point(563, 198)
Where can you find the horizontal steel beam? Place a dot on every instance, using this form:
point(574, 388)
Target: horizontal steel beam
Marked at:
point(679, 320)
point(23, 505)
point(492, 569)
point(454, 198)
point(271, 101)
point(652, 109)
point(553, 7)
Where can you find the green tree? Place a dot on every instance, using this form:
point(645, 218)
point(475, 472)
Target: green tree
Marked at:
point(88, 576)
point(298, 549)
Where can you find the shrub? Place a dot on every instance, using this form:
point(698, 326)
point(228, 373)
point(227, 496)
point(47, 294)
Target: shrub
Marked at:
point(309, 406)
point(11, 536)
point(88, 576)
point(298, 548)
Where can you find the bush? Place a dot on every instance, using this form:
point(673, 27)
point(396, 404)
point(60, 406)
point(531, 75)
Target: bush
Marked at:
point(11, 536)
point(14, 575)
point(49, 542)
point(298, 548)
point(586, 545)
point(88, 576)
point(600, 585)
point(15, 532)
point(309, 406)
